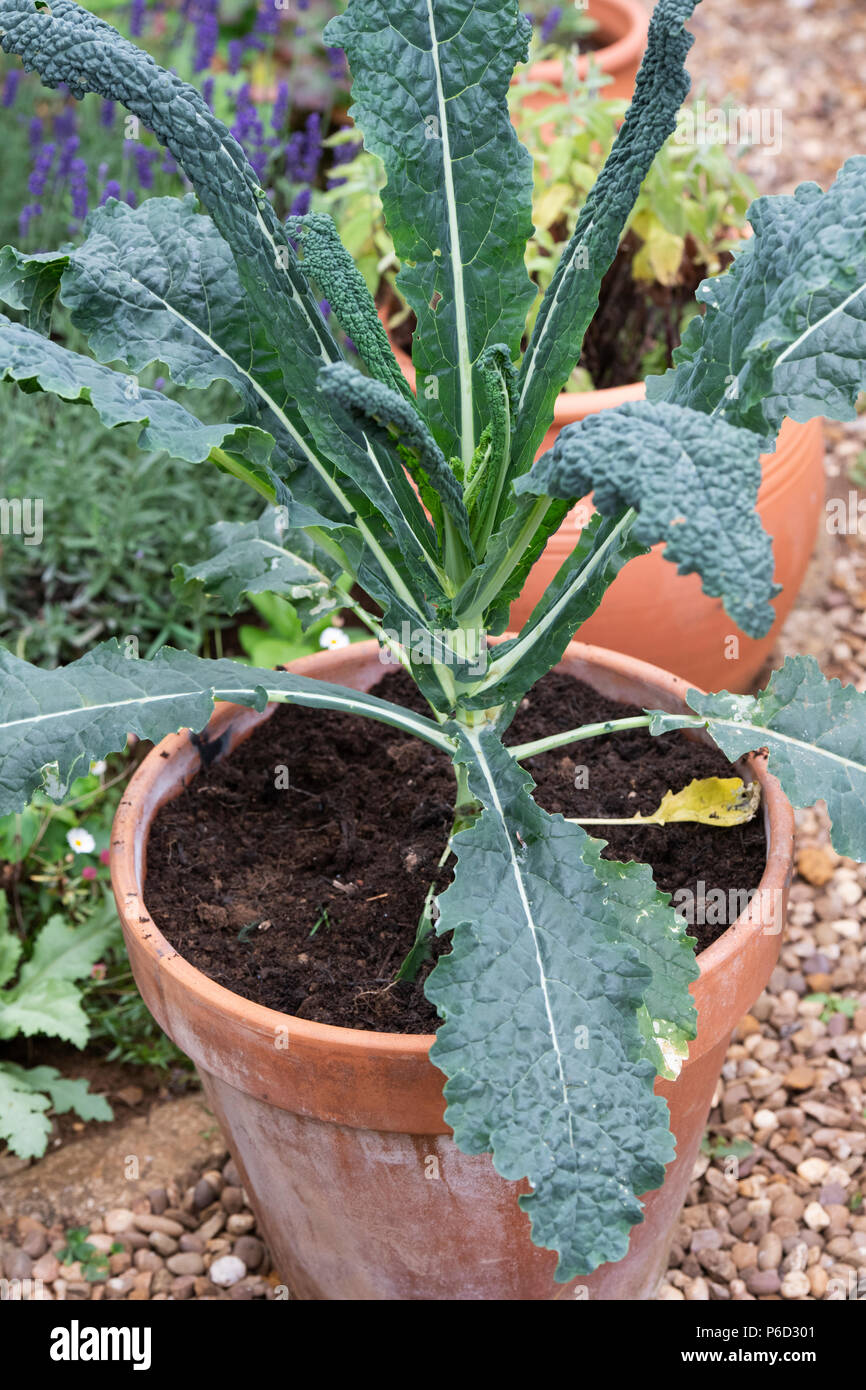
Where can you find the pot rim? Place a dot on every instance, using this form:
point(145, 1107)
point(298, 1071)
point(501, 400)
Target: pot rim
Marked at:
point(621, 53)
point(128, 851)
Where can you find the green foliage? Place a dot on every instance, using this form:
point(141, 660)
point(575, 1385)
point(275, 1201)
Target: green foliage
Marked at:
point(717, 1146)
point(429, 89)
point(78, 1250)
point(814, 731)
point(832, 1004)
point(530, 897)
point(108, 543)
point(688, 214)
point(549, 940)
point(39, 993)
point(284, 637)
point(784, 333)
point(572, 297)
point(693, 482)
point(45, 998)
point(693, 192)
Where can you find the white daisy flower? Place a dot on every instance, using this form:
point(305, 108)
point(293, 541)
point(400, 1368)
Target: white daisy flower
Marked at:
point(81, 841)
point(99, 767)
point(334, 637)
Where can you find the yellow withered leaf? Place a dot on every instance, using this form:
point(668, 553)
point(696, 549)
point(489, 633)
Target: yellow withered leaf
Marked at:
point(707, 800)
point(710, 801)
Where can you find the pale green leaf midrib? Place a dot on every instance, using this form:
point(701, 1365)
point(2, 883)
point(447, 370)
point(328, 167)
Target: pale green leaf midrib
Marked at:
point(467, 424)
point(526, 907)
point(763, 732)
point(819, 323)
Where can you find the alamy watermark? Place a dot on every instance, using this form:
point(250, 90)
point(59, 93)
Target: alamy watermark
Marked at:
point(444, 646)
point(714, 907)
point(734, 125)
point(22, 516)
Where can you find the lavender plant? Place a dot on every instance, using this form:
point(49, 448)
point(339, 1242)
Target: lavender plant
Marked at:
point(74, 161)
point(435, 505)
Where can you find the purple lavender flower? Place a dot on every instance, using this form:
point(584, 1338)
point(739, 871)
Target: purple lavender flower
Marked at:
point(207, 91)
point(137, 10)
point(267, 20)
point(131, 197)
point(106, 114)
point(144, 162)
point(550, 23)
point(325, 308)
point(281, 108)
point(111, 190)
point(67, 156)
point(313, 146)
point(41, 169)
point(336, 64)
point(304, 151)
point(247, 130)
point(26, 216)
point(159, 384)
point(236, 56)
point(343, 154)
point(10, 87)
point(65, 124)
point(206, 35)
point(301, 205)
point(294, 156)
point(169, 164)
point(78, 188)
point(34, 133)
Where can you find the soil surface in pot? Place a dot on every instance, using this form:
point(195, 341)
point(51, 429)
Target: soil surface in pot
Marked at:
point(306, 898)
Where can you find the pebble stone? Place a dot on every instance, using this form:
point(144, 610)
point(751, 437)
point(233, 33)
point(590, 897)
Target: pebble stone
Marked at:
point(227, 1270)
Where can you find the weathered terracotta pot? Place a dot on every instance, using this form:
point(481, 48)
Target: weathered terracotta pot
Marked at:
point(333, 1128)
point(652, 612)
point(622, 25)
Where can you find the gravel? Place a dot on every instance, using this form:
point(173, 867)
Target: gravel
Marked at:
point(792, 1214)
point(171, 1247)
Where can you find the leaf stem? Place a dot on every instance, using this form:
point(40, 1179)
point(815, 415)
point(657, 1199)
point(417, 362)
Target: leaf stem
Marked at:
point(608, 726)
point(616, 820)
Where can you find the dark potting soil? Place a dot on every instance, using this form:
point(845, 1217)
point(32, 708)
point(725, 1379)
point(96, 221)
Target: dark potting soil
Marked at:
point(306, 899)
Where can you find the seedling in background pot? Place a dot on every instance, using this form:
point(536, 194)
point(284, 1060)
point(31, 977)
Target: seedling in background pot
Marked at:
point(436, 505)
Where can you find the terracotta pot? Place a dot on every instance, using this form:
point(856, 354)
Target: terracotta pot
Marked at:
point(652, 612)
point(622, 24)
point(333, 1128)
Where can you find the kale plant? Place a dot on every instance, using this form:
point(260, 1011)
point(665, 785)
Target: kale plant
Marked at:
point(436, 506)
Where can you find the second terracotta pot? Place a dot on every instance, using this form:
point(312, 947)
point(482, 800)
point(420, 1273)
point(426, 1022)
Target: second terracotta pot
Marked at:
point(621, 31)
point(656, 614)
point(339, 1134)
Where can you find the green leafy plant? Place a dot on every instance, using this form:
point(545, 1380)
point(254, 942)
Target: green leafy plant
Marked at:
point(78, 1250)
point(832, 1004)
point(246, 562)
point(717, 1146)
point(42, 995)
point(687, 219)
point(103, 566)
point(436, 506)
point(54, 866)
